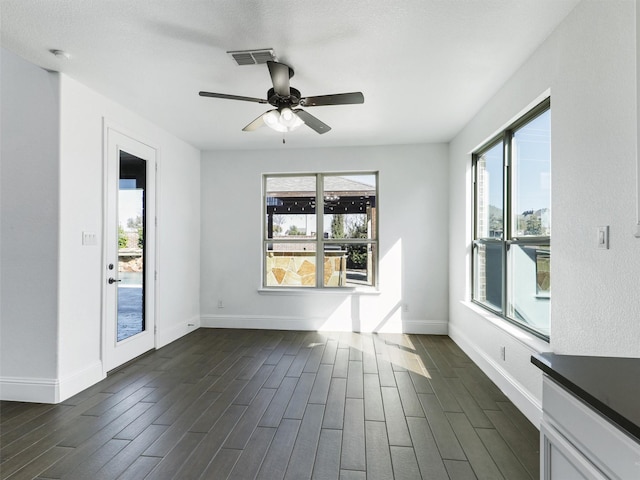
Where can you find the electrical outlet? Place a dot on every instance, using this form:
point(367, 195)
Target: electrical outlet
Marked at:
point(405, 307)
point(220, 304)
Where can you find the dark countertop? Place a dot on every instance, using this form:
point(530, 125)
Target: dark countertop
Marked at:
point(610, 385)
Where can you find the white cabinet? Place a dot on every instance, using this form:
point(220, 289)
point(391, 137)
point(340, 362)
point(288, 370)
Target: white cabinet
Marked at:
point(562, 460)
point(578, 443)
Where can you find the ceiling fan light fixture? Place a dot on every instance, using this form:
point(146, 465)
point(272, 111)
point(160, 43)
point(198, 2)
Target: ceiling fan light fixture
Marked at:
point(297, 122)
point(287, 117)
point(272, 120)
point(282, 121)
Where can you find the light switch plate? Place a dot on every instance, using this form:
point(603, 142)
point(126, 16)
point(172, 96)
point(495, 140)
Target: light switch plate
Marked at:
point(602, 239)
point(89, 238)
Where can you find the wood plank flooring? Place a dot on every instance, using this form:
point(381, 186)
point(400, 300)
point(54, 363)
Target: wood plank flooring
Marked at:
point(245, 404)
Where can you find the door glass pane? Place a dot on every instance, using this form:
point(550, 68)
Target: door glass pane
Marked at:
point(290, 207)
point(531, 183)
point(489, 193)
point(350, 206)
point(131, 223)
point(487, 269)
point(349, 264)
point(530, 286)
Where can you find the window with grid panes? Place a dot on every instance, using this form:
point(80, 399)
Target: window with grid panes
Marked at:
point(320, 230)
point(512, 223)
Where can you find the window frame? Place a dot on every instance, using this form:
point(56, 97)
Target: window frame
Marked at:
point(319, 240)
point(508, 239)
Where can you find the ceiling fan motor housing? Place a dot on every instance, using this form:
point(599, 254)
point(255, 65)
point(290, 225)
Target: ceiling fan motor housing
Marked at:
point(279, 101)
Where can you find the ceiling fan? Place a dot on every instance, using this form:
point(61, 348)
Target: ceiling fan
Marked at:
point(287, 115)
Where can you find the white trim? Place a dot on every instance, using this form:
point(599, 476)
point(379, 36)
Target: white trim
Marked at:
point(166, 336)
point(637, 226)
point(261, 322)
point(23, 389)
point(50, 390)
point(116, 138)
point(535, 344)
point(77, 382)
point(519, 396)
point(426, 327)
point(294, 291)
point(523, 111)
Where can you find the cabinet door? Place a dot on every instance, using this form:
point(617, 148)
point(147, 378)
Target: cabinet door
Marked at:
point(560, 460)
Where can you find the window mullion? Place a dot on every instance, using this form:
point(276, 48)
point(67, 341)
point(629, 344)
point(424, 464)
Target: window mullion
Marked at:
point(506, 219)
point(319, 230)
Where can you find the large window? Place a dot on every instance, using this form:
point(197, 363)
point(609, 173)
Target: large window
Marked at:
point(512, 222)
point(320, 230)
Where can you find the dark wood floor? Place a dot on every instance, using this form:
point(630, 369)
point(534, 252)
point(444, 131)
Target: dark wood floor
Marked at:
point(244, 404)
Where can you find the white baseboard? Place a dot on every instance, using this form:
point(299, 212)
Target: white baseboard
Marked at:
point(164, 336)
point(49, 390)
point(518, 395)
point(75, 383)
point(37, 390)
point(427, 327)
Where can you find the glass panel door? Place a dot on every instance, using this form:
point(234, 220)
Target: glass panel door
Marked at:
point(129, 249)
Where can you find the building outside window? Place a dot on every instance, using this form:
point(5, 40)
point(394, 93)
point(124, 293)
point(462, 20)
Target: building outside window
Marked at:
point(512, 223)
point(335, 248)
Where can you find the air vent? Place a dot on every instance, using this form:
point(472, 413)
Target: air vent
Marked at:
point(253, 57)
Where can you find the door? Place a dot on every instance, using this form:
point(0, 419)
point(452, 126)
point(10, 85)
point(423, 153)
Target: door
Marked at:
point(129, 270)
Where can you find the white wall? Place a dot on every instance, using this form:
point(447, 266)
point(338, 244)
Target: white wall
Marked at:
point(82, 272)
point(29, 228)
point(413, 219)
point(588, 65)
point(52, 191)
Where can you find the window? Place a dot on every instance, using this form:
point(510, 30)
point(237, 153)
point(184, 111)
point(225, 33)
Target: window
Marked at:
point(512, 223)
point(344, 253)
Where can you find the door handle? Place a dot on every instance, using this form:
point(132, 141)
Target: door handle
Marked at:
point(113, 280)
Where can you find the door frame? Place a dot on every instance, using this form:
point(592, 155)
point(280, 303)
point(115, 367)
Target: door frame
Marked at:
point(114, 353)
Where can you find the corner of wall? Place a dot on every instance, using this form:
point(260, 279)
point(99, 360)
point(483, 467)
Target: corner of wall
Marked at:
point(520, 396)
point(78, 381)
point(166, 336)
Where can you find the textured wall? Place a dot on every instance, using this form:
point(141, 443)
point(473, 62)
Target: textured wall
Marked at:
point(588, 67)
point(413, 219)
point(177, 234)
point(29, 244)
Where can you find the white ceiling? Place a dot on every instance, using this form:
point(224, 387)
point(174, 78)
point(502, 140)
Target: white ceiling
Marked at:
point(425, 67)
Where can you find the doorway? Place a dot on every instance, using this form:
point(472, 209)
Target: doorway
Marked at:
point(129, 280)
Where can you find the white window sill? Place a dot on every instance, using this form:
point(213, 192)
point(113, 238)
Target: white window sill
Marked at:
point(529, 340)
point(319, 291)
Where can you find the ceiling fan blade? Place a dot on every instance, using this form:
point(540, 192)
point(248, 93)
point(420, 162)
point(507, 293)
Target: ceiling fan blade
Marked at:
point(312, 122)
point(257, 123)
point(335, 99)
point(280, 75)
point(232, 97)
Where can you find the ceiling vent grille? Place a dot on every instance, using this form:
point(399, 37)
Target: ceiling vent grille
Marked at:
point(253, 57)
